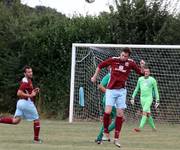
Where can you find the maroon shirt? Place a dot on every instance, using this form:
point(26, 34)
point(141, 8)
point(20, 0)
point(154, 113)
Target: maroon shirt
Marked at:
point(119, 71)
point(26, 86)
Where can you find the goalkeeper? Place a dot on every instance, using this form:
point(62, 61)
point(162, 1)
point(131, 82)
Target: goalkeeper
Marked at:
point(146, 84)
point(102, 87)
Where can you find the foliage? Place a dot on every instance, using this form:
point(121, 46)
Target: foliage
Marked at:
point(42, 38)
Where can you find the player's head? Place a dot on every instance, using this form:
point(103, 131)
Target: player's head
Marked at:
point(126, 52)
point(146, 71)
point(28, 72)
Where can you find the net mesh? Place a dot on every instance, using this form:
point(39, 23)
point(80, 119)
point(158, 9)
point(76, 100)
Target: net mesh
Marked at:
point(164, 64)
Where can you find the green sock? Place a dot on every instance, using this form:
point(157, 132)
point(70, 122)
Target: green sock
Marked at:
point(143, 121)
point(111, 126)
point(100, 135)
point(151, 122)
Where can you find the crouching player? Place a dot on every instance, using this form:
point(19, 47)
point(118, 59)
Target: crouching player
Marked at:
point(25, 107)
point(146, 84)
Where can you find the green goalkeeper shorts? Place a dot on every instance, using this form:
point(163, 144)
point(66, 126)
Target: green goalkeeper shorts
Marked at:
point(146, 104)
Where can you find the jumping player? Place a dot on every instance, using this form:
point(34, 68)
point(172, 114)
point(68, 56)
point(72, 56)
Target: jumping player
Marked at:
point(116, 90)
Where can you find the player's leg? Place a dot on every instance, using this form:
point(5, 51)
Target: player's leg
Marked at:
point(98, 140)
point(10, 120)
point(112, 124)
point(17, 117)
point(151, 121)
point(110, 100)
point(113, 116)
point(146, 104)
point(30, 113)
point(146, 112)
point(110, 128)
point(36, 131)
point(143, 120)
point(118, 126)
point(106, 120)
point(100, 135)
point(120, 105)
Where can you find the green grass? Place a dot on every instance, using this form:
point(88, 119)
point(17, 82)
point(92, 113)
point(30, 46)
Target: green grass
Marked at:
point(58, 135)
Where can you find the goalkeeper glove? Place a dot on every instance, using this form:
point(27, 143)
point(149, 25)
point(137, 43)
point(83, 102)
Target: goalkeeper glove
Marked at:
point(132, 101)
point(156, 105)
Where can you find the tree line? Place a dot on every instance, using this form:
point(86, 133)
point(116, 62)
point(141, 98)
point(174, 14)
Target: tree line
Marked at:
point(42, 38)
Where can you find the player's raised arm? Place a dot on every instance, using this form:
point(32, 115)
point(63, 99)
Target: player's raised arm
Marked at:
point(139, 69)
point(103, 64)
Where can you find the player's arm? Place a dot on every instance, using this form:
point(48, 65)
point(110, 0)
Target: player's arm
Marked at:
point(139, 69)
point(37, 90)
point(102, 88)
point(103, 64)
point(104, 82)
point(156, 93)
point(22, 94)
point(93, 78)
point(135, 91)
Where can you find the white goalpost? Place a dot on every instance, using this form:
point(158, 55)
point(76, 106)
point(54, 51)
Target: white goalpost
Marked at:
point(85, 98)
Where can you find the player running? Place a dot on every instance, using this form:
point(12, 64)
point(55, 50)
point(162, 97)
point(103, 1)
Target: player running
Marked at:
point(102, 86)
point(25, 107)
point(116, 89)
point(146, 84)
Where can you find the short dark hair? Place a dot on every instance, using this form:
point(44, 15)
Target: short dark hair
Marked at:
point(26, 67)
point(127, 50)
point(146, 67)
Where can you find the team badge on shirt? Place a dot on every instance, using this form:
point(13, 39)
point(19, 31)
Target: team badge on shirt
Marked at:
point(120, 68)
point(126, 64)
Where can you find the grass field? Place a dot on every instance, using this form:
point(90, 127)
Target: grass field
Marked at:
point(58, 135)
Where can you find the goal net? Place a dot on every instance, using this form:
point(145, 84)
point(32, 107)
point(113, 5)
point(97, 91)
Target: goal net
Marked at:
point(85, 98)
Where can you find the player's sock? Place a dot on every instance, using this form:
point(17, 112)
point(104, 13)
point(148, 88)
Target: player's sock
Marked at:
point(111, 126)
point(143, 121)
point(151, 122)
point(106, 122)
point(6, 120)
point(36, 130)
point(100, 135)
point(118, 125)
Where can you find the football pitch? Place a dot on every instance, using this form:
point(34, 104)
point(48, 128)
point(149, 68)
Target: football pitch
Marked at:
point(60, 135)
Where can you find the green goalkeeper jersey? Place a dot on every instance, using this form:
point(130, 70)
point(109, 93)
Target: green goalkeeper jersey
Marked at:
point(104, 83)
point(146, 87)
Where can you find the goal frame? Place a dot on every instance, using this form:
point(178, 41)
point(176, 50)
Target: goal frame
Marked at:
point(73, 62)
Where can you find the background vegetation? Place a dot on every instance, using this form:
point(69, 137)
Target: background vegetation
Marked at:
point(42, 38)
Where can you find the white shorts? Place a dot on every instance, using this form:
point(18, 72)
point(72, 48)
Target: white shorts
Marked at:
point(116, 97)
point(26, 109)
